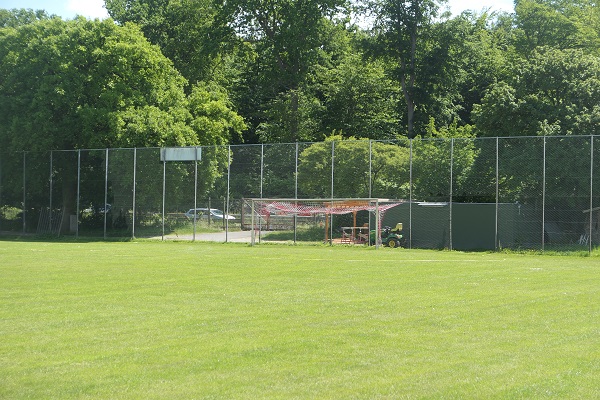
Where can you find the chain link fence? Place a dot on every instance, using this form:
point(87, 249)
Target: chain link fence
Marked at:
point(536, 193)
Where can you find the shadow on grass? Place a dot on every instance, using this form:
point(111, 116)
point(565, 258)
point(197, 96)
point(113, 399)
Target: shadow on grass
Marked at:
point(12, 237)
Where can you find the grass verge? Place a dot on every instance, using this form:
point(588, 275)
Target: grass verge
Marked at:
point(196, 320)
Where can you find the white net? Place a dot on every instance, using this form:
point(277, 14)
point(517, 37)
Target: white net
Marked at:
point(356, 219)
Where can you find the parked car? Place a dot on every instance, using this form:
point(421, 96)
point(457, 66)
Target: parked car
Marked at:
point(205, 213)
point(98, 209)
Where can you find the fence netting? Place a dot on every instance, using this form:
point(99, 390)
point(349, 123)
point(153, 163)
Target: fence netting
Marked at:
point(537, 193)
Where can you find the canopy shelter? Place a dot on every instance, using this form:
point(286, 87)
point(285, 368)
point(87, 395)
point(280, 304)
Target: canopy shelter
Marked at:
point(326, 207)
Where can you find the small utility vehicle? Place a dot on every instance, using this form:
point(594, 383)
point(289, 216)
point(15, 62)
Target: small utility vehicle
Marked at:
point(390, 237)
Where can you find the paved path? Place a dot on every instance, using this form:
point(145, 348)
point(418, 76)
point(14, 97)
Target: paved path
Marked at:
point(235, 236)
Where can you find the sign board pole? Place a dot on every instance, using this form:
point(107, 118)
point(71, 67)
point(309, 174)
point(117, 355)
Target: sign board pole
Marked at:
point(163, 198)
point(195, 193)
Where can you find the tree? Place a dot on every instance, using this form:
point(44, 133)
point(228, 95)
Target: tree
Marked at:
point(359, 99)
point(189, 32)
point(402, 30)
point(468, 54)
point(21, 16)
point(74, 84)
point(389, 169)
point(541, 25)
point(436, 155)
point(287, 38)
point(553, 92)
point(92, 84)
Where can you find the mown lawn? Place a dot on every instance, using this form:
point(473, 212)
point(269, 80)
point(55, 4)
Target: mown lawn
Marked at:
point(147, 320)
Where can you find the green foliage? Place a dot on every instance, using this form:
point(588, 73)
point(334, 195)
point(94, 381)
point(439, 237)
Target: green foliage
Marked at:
point(403, 35)
point(184, 320)
point(309, 234)
point(554, 92)
point(93, 84)
point(212, 116)
point(289, 34)
point(542, 25)
point(435, 158)
point(359, 100)
point(189, 32)
point(288, 41)
point(78, 84)
point(389, 169)
point(21, 16)
point(291, 117)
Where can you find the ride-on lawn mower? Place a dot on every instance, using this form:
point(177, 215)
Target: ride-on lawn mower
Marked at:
point(389, 237)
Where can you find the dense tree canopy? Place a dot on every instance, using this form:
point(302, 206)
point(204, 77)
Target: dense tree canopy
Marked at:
point(556, 93)
point(90, 84)
point(298, 71)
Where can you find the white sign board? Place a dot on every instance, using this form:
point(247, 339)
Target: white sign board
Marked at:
point(181, 154)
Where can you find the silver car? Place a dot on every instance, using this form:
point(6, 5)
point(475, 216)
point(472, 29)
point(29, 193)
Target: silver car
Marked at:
point(205, 213)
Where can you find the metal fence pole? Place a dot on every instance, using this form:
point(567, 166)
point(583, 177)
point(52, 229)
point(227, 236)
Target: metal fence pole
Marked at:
point(262, 165)
point(410, 192)
point(1, 189)
point(134, 188)
point(296, 172)
point(50, 200)
point(296, 195)
point(164, 189)
point(262, 168)
point(253, 232)
point(332, 189)
point(496, 238)
point(228, 189)
point(370, 167)
point(24, 192)
point(377, 229)
point(105, 192)
point(195, 192)
point(591, 192)
point(544, 198)
point(78, 193)
point(451, 189)
point(332, 165)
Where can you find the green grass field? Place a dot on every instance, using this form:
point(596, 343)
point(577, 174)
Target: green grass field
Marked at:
point(147, 320)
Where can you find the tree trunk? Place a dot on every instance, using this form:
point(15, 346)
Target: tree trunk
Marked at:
point(69, 195)
point(294, 105)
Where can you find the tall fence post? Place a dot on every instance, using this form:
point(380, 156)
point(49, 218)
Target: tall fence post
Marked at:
point(105, 191)
point(228, 189)
point(24, 192)
point(544, 198)
point(591, 221)
point(78, 193)
point(262, 168)
point(0, 188)
point(496, 237)
point(332, 166)
point(332, 190)
point(133, 201)
point(50, 199)
point(296, 194)
point(410, 192)
point(451, 189)
point(370, 168)
point(196, 192)
point(164, 189)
